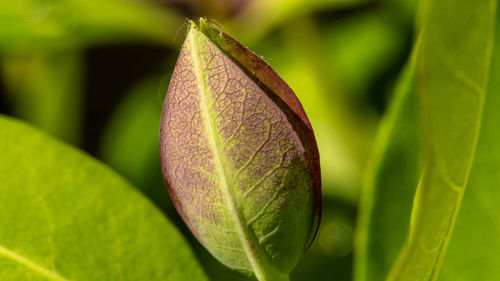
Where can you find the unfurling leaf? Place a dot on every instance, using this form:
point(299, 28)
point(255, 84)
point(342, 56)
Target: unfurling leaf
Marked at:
point(239, 156)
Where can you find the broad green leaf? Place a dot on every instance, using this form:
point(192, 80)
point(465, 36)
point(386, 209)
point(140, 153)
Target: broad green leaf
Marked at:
point(26, 24)
point(67, 217)
point(453, 67)
point(239, 156)
point(474, 246)
point(451, 76)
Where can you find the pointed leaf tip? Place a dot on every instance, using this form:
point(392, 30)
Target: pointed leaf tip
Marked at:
point(239, 156)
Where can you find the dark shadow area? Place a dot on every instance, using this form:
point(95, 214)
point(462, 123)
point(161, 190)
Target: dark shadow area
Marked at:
point(110, 72)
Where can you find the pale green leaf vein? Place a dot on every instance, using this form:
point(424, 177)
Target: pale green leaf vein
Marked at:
point(210, 128)
point(460, 75)
point(51, 275)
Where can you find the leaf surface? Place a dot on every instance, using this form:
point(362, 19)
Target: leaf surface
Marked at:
point(66, 217)
point(453, 68)
point(474, 246)
point(387, 196)
point(451, 77)
point(235, 160)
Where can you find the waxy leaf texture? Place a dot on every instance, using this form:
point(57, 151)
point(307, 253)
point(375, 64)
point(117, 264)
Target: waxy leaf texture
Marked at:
point(67, 217)
point(425, 155)
point(239, 156)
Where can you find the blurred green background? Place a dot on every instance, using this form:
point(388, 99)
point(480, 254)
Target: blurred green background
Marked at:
point(94, 74)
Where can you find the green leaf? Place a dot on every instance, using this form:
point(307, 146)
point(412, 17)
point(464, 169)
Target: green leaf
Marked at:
point(453, 72)
point(474, 246)
point(67, 217)
point(387, 196)
point(453, 67)
point(239, 156)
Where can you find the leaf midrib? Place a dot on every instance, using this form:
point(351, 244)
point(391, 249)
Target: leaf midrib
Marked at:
point(51, 275)
point(219, 158)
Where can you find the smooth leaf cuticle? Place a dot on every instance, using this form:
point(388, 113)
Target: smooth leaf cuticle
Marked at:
point(60, 204)
point(452, 74)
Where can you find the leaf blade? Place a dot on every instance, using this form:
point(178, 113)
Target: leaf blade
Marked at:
point(452, 86)
point(478, 219)
point(397, 148)
point(78, 221)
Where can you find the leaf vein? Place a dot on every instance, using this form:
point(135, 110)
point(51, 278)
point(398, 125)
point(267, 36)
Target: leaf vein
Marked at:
point(49, 274)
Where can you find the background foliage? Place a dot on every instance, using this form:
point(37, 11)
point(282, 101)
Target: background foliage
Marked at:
point(93, 73)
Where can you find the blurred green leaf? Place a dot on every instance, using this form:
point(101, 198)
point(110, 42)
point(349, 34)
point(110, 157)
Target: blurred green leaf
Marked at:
point(260, 16)
point(46, 89)
point(366, 45)
point(71, 218)
point(387, 197)
point(28, 24)
point(135, 124)
point(452, 68)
